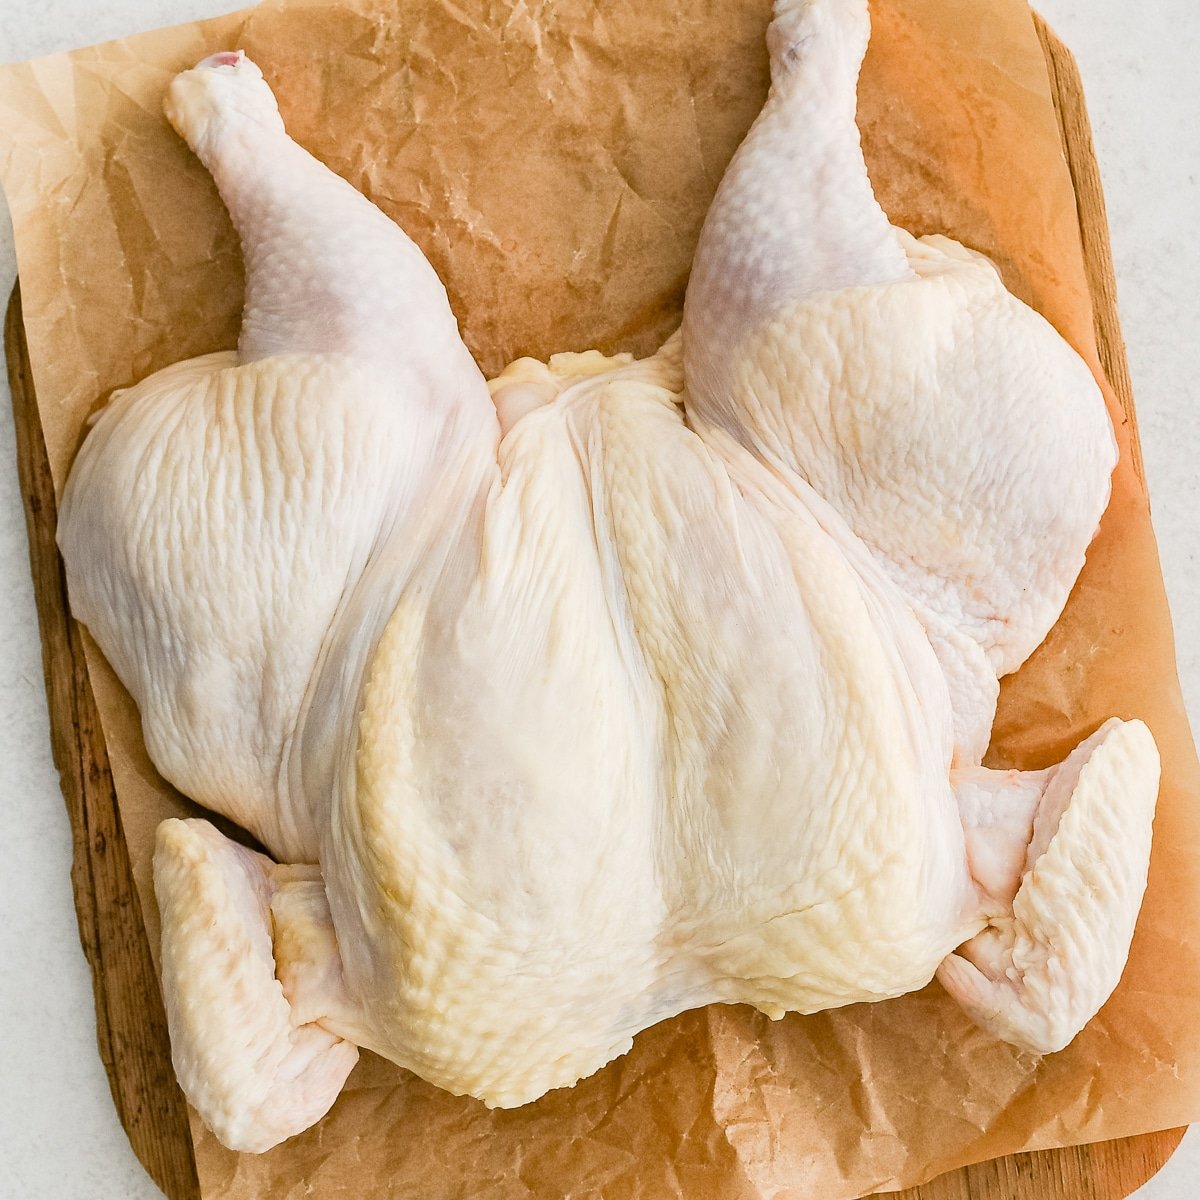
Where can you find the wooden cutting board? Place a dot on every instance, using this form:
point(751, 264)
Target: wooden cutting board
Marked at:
point(131, 1027)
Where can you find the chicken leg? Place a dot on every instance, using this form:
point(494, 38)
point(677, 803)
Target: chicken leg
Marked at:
point(953, 429)
point(270, 478)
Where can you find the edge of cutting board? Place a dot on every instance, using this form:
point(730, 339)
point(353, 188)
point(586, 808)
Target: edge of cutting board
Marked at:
point(131, 1027)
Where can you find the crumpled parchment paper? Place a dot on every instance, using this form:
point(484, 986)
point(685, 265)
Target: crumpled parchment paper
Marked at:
point(555, 161)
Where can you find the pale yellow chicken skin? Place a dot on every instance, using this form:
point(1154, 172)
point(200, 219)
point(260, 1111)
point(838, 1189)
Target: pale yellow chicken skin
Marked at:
point(613, 688)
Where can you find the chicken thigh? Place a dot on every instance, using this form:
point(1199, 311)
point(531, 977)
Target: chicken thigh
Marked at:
point(614, 688)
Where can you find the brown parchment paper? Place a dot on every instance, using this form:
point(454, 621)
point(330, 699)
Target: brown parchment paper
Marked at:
point(555, 162)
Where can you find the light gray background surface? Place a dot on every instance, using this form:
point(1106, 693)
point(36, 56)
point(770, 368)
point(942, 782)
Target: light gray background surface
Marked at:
point(59, 1135)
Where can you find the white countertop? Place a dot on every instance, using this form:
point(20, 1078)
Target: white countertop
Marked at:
point(59, 1135)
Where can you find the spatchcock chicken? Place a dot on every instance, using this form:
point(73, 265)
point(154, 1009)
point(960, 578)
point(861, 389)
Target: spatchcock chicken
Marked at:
point(611, 688)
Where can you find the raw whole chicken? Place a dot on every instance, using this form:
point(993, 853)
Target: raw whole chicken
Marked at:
point(613, 688)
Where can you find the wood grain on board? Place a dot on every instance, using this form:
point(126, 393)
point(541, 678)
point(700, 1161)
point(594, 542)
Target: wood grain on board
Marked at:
point(130, 1023)
point(131, 1026)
